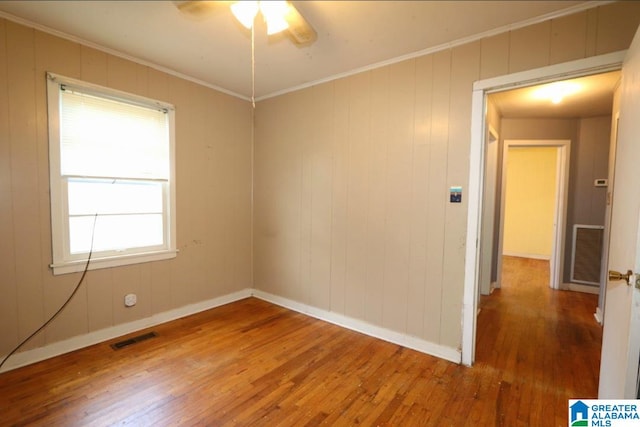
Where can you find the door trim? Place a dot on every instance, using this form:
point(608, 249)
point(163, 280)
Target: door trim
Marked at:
point(560, 208)
point(581, 67)
point(487, 284)
point(602, 290)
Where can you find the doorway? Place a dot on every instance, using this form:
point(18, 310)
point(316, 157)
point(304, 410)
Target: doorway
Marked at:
point(533, 198)
point(590, 66)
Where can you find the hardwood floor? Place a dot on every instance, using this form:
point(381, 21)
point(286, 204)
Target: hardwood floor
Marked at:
point(545, 344)
point(253, 363)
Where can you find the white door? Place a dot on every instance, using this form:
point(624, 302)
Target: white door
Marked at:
point(621, 338)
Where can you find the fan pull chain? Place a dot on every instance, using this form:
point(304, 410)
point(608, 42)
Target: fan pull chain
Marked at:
point(253, 66)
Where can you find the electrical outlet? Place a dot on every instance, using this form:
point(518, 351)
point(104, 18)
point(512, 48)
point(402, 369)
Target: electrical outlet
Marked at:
point(130, 300)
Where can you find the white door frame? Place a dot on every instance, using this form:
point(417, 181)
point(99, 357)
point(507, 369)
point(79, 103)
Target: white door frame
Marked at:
point(581, 67)
point(486, 284)
point(602, 296)
point(560, 208)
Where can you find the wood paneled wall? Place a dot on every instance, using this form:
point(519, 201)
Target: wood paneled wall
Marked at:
point(213, 163)
point(591, 163)
point(351, 209)
point(351, 184)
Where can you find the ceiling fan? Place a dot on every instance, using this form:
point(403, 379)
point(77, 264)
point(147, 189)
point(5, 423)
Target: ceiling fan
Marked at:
point(279, 16)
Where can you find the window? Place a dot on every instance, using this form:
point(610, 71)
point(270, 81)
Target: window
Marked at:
point(112, 176)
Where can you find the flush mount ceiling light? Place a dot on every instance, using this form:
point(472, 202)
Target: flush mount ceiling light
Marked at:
point(279, 16)
point(556, 91)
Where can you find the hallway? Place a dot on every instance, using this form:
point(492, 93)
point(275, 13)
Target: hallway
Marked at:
point(545, 343)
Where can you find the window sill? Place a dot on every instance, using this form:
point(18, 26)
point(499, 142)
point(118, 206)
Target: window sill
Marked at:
point(107, 262)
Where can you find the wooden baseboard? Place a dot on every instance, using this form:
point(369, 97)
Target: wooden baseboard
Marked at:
point(588, 289)
point(526, 255)
point(366, 328)
point(65, 346)
point(599, 315)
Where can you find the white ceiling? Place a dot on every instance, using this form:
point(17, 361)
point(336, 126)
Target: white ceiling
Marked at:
point(214, 49)
point(594, 97)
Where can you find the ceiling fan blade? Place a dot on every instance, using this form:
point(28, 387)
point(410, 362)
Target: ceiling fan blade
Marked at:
point(299, 29)
point(195, 7)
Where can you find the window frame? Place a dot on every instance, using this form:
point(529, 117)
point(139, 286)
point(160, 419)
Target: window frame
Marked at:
point(63, 261)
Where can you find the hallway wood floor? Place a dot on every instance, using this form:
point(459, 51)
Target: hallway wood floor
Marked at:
point(251, 363)
point(544, 343)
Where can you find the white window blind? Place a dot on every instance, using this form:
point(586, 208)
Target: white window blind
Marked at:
point(112, 173)
point(103, 137)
